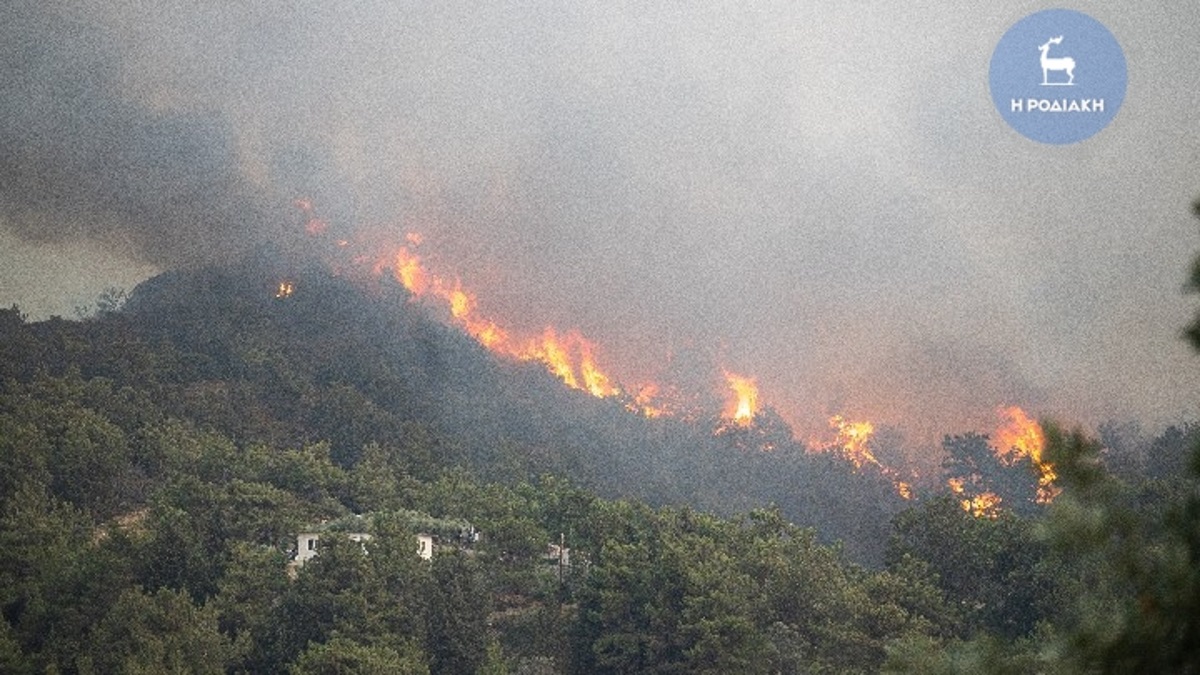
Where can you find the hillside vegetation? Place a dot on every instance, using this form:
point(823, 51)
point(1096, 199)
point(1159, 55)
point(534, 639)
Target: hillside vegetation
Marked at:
point(158, 461)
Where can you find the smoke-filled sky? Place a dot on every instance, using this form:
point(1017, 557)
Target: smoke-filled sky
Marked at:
point(822, 198)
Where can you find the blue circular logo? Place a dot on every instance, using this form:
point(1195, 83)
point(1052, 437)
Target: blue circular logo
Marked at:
point(1058, 76)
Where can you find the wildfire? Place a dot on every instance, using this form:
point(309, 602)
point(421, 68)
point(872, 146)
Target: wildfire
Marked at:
point(744, 405)
point(409, 272)
point(573, 359)
point(594, 379)
point(1022, 437)
point(646, 401)
point(986, 505)
point(570, 356)
point(554, 353)
point(852, 437)
point(852, 440)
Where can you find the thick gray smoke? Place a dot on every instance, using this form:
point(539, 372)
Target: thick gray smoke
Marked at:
point(79, 158)
point(823, 198)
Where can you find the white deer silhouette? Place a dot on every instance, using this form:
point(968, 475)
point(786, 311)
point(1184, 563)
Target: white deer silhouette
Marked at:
point(1064, 63)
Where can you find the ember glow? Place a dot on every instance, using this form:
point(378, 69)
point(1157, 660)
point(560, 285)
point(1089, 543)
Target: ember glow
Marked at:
point(646, 401)
point(744, 403)
point(1019, 437)
point(284, 290)
point(312, 225)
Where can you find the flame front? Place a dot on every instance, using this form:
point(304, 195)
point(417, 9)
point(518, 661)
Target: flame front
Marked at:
point(554, 353)
point(744, 405)
point(569, 356)
point(573, 359)
point(1021, 437)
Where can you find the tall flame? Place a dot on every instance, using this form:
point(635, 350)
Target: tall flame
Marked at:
point(554, 353)
point(744, 405)
point(594, 379)
point(1020, 437)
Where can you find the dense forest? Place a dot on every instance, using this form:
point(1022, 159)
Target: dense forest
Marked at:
point(160, 456)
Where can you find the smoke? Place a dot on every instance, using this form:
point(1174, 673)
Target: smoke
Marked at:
point(80, 160)
point(823, 199)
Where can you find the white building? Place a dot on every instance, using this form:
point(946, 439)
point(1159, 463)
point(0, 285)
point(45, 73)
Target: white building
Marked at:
point(306, 544)
point(425, 546)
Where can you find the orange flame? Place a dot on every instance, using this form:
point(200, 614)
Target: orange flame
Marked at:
point(744, 405)
point(853, 438)
point(554, 354)
point(1021, 437)
point(570, 357)
point(594, 379)
point(284, 290)
point(645, 403)
point(409, 272)
point(986, 505)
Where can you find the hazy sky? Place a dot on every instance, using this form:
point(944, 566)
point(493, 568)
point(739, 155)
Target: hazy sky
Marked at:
point(821, 198)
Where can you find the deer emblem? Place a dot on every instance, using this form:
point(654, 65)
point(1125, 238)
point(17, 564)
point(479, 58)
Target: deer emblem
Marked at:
point(1063, 63)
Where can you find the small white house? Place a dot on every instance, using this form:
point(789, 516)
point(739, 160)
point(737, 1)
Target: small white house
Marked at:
point(306, 543)
point(425, 546)
point(431, 533)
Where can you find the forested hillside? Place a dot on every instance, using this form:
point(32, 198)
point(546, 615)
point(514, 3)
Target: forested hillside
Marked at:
point(352, 363)
point(158, 460)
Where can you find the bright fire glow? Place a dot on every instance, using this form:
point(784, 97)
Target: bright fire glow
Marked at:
point(594, 379)
point(569, 356)
point(853, 442)
point(744, 404)
point(1020, 437)
point(986, 505)
point(573, 359)
point(409, 272)
point(852, 437)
